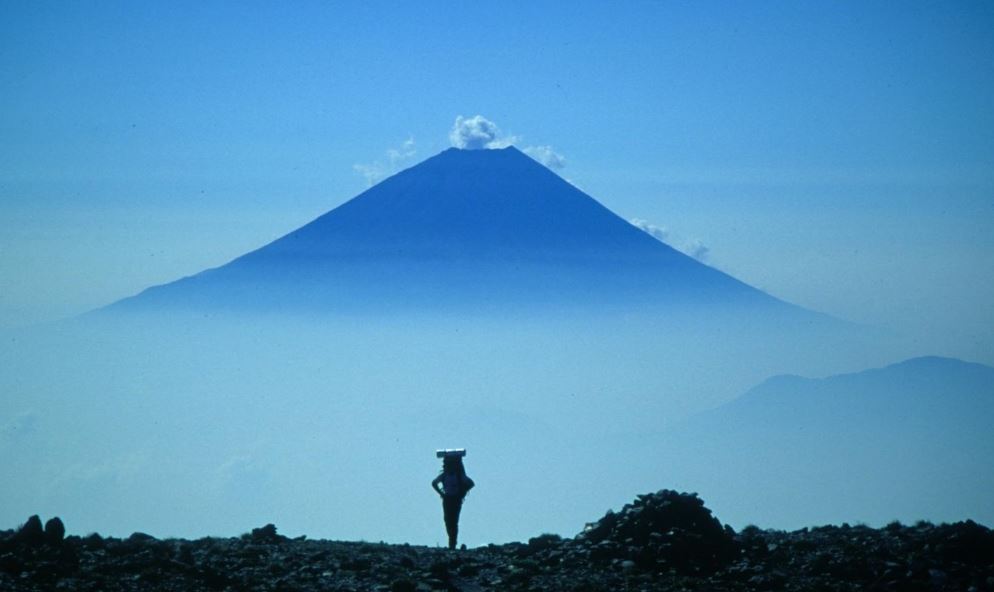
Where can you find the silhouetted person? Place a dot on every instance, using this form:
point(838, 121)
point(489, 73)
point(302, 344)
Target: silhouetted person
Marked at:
point(452, 485)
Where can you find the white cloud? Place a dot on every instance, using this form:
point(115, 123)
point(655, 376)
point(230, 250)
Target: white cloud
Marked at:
point(657, 232)
point(547, 156)
point(697, 250)
point(692, 247)
point(396, 158)
point(478, 133)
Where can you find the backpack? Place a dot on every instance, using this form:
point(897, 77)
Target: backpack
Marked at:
point(452, 484)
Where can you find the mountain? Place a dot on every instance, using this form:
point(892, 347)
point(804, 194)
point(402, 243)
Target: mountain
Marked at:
point(908, 441)
point(926, 394)
point(479, 229)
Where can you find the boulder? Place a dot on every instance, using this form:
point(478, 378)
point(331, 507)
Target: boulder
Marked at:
point(55, 531)
point(31, 533)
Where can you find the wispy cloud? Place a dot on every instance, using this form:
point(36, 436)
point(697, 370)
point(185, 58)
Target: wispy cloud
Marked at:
point(657, 232)
point(399, 156)
point(547, 156)
point(692, 247)
point(696, 249)
point(380, 169)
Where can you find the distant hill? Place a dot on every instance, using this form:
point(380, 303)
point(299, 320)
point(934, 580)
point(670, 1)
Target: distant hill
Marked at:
point(926, 394)
point(473, 229)
point(907, 441)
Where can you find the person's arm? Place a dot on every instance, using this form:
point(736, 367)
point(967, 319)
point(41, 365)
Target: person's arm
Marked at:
point(435, 485)
point(468, 484)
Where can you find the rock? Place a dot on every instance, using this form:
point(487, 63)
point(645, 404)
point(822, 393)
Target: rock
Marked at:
point(55, 531)
point(10, 564)
point(439, 570)
point(468, 570)
point(31, 533)
point(403, 585)
point(544, 542)
point(966, 542)
point(266, 534)
point(359, 564)
point(94, 540)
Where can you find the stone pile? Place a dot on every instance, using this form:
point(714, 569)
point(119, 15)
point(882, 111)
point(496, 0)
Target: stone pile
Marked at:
point(663, 530)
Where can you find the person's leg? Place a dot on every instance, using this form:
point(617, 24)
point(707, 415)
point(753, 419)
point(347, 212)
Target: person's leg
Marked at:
point(451, 507)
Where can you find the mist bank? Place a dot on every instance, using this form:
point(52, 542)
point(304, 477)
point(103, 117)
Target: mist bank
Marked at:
point(185, 425)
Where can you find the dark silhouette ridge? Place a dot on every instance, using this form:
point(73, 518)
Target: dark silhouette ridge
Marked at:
point(663, 541)
point(465, 229)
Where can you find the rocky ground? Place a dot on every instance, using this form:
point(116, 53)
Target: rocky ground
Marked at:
point(662, 541)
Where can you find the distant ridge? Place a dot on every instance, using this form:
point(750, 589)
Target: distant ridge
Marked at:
point(904, 389)
point(465, 229)
point(904, 441)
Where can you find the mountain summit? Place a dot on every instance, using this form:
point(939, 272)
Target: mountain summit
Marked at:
point(479, 229)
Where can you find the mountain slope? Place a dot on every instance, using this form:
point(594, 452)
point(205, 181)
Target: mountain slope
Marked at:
point(908, 441)
point(472, 228)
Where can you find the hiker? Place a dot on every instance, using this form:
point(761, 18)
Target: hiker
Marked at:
point(452, 484)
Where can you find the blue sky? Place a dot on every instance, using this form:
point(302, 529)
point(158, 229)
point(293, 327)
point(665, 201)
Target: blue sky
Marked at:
point(839, 156)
